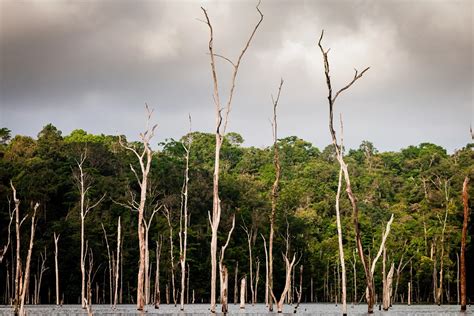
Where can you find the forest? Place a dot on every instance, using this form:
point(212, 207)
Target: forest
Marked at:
point(98, 219)
point(420, 185)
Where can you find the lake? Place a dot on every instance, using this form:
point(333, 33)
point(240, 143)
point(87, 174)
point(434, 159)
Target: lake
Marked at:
point(259, 309)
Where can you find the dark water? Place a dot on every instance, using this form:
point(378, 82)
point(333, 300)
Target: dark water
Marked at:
point(259, 309)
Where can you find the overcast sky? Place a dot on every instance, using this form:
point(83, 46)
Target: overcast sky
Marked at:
point(93, 65)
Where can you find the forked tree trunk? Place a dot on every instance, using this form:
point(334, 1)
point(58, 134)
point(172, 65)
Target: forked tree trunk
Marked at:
point(144, 159)
point(465, 200)
point(257, 277)
point(289, 267)
point(223, 273)
point(221, 125)
point(339, 155)
point(275, 189)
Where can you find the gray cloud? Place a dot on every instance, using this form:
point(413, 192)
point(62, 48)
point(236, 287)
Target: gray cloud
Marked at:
point(92, 65)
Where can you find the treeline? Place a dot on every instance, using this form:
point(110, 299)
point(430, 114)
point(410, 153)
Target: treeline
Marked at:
point(421, 185)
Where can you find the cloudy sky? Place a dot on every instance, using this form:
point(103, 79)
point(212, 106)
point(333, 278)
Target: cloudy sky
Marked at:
point(93, 65)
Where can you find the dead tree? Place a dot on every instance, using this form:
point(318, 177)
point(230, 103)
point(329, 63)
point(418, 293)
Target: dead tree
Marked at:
point(147, 225)
point(249, 242)
point(18, 269)
point(236, 283)
point(111, 290)
point(386, 283)
point(221, 125)
point(439, 289)
point(83, 183)
point(183, 219)
point(144, 159)
point(275, 189)
point(224, 275)
point(465, 200)
point(56, 267)
point(243, 290)
point(266, 271)
point(344, 167)
point(300, 292)
point(167, 214)
point(117, 262)
point(257, 278)
point(41, 270)
point(289, 267)
point(339, 239)
point(5, 247)
point(26, 279)
point(159, 246)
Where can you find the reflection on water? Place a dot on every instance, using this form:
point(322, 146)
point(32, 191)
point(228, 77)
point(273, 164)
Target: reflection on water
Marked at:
point(257, 310)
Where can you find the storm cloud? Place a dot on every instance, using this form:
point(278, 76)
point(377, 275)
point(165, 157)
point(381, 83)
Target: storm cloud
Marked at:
point(93, 65)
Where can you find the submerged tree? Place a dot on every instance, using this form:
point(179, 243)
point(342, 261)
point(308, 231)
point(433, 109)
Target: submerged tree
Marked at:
point(339, 155)
point(221, 126)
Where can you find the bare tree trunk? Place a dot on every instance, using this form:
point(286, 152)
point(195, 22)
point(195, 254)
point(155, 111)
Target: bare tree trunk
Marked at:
point(409, 293)
point(224, 277)
point(41, 272)
point(289, 267)
point(257, 276)
point(339, 154)
point(117, 263)
point(355, 276)
point(144, 159)
point(183, 233)
point(275, 189)
point(56, 239)
point(267, 299)
point(18, 255)
point(168, 217)
point(243, 289)
point(387, 283)
point(83, 183)
point(236, 285)
point(159, 245)
point(298, 293)
point(249, 238)
point(221, 125)
point(110, 265)
point(439, 290)
point(465, 199)
point(341, 246)
point(147, 226)
point(26, 280)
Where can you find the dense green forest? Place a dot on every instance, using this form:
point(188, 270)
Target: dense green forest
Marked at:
point(418, 184)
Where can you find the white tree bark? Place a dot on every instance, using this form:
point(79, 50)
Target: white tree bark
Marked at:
point(243, 288)
point(224, 275)
point(56, 240)
point(117, 262)
point(144, 159)
point(183, 219)
point(221, 125)
point(341, 246)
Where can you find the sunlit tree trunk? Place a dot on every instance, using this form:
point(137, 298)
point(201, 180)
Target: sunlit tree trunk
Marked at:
point(56, 267)
point(224, 275)
point(144, 159)
point(243, 290)
point(221, 125)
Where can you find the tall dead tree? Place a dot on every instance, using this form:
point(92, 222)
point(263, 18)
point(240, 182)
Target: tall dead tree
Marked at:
point(344, 167)
point(275, 188)
point(224, 275)
point(183, 219)
point(220, 129)
point(147, 225)
point(250, 234)
point(56, 267)
point(465, 200)
point(144, 159)
point(83, 183)
point(339, 239)
point(117, 262)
